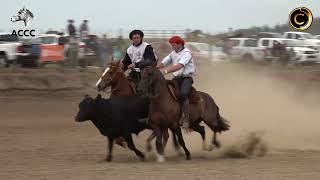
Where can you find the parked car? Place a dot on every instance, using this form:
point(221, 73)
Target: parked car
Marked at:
point(9, 47)
point(267, 35)
point(298, 55)
point(53, 41)
point(245, 49)
point(303, 39)
point(28, 53)
point(200, 50)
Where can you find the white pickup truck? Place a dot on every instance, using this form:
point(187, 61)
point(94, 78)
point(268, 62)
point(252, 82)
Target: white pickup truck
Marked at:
point(9, 46)
point(299, 55)
point(245, 49)
point(303, 39)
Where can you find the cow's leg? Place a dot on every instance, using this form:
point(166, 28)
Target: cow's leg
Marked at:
point(110, 146)
point(133, 147)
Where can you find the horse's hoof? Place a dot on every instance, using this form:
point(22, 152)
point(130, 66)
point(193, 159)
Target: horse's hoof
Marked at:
point(180, 153)
point(217, 144)
point(188, 158)
point(160, 159)
point(108, 159)
point(104, 160)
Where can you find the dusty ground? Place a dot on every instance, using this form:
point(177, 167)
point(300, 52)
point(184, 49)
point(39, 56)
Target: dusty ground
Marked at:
point(40, 140)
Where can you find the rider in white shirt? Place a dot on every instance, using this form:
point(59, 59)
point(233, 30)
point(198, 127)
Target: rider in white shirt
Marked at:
point(183, 69)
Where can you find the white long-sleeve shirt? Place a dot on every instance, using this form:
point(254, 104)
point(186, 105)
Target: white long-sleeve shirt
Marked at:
point(183, 57)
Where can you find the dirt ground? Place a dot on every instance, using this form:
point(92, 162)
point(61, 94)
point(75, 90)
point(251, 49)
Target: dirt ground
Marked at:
point(40, 139)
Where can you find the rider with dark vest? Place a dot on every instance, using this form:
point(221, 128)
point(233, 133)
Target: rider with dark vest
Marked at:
point(183, 69)
point(139, 55)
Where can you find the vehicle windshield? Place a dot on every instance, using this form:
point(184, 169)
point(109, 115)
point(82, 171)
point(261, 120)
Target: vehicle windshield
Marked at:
point(47, 40)
point(307, 36)
point(9, 38)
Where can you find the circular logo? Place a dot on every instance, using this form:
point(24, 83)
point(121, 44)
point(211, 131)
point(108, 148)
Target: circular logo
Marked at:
point(301, 18)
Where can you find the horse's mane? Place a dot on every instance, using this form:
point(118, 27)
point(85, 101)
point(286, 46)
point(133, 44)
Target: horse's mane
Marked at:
point(158, 74)
point(27, 11)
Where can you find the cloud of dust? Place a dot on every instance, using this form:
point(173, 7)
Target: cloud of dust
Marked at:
point(280, 102)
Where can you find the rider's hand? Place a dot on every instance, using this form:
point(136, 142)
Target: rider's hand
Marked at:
point(163, 71)
point(131, 66)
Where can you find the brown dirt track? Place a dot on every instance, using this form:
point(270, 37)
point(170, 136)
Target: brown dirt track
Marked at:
point(40, 140)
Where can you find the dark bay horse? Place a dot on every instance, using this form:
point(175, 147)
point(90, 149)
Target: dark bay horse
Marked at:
point(165, 112)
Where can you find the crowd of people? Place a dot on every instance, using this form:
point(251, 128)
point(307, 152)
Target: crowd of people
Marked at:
point(103, 47)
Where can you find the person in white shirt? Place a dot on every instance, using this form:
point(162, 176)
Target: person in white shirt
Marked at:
point(139, 55)
point(183, 69)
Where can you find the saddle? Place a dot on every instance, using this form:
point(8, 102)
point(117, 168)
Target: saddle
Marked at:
point(133, 86)
point(194, 97)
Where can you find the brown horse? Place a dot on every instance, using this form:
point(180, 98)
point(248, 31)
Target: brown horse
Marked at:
point(115, 78)
point(165, 112)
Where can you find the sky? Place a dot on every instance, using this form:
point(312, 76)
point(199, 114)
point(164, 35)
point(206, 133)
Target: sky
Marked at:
point(109, 16)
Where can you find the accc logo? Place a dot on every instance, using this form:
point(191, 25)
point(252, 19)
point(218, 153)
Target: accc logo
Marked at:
point(21, 33)
point(26, 16)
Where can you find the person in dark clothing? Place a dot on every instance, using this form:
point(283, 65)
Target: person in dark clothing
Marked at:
point(139, 55)
point(71, 28)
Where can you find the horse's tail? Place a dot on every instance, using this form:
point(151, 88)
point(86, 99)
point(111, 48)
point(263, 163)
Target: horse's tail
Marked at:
point(222, 124)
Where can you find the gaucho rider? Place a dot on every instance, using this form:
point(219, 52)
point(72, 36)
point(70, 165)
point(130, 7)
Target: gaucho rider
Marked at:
point(183, 69)
point(139, 55)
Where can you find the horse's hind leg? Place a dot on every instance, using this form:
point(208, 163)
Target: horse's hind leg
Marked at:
point(201, 130)
point(133, 147)
point(215, 141)
point(181, 142)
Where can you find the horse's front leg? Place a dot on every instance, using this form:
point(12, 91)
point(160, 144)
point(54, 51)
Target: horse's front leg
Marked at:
point(160, 151)
point(150, 138)
point(165, 137)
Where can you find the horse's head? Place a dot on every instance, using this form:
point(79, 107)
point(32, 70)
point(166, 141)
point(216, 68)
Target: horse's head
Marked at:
point(109, 75)
point(23, 15)
point(86, 107)
point(150, 76)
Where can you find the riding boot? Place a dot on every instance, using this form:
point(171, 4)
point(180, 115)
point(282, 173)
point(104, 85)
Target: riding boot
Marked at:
point(184, 120)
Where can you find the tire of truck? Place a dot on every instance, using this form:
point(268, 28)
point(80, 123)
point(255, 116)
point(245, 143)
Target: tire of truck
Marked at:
point(4, 61)
point(248, 58)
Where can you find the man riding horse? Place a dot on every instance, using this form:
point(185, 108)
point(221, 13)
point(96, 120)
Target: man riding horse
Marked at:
point(139, 55)
point(183, 70)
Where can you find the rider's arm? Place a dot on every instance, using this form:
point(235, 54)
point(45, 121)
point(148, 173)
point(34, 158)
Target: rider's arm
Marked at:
point(126, 62)
point(185, 59)
point(149, 53)
point(166, 61)
point(174, 68)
